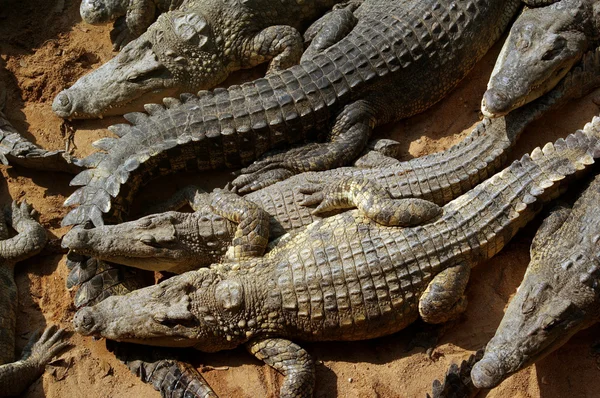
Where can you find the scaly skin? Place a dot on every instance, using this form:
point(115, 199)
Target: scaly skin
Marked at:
point(132, 17)
point(178, 242)
point(345, 277)
point(193, 48)
point(346, 85)
point(16, 376)
point(457, 382)
point(559, 295)
point(543, 45)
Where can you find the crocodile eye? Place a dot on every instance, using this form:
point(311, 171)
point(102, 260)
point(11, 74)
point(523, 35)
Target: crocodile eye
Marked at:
point(551, 54)
point(144, 222)
point(148, 240)
point(551, 324)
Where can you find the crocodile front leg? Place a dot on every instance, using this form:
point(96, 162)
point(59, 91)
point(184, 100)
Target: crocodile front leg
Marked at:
point(328, 30)
point(140, 15)
point(252, 234)
point(281, 44)
point(15, 377)
point(289, 359)
point(348, 138)
point(444, 298)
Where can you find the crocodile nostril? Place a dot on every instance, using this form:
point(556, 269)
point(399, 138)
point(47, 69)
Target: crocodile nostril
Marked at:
point(62, 105)
point(83, 321)
point(486, 373)
point(495, 102)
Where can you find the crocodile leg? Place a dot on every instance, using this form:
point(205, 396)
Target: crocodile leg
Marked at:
point(444, 298)
point(15, 377)
point(289, 359)
point(140, 15)
point(31, 236)
point(252, 234)
point(348, 138)
point(372, 199)
point(328, 30)
point(281, 44)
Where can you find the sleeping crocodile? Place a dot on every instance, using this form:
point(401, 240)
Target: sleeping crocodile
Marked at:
point(344, 277)
point(421, 48)
point(16, 376)
point(132, 17)
point(193, 48)
point(178, 242)
point(543, 44)
point(559, 295)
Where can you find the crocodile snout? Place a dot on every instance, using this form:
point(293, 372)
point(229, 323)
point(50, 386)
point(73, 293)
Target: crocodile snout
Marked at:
point(494, 103)
point(62, 105)
point(75, 239)
point(84, 322)
point(486, 373)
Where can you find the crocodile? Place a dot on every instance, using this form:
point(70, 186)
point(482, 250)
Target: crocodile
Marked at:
point(193, 48)
point(457, 383)
point(16, 376)
point(345, 277)
point(559, 295)
point(179, 242)
point(422, 48)
point(543, 44)
point(16, 150)
point(131, 17)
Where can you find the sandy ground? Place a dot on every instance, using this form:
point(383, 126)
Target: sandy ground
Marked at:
point(45, 47)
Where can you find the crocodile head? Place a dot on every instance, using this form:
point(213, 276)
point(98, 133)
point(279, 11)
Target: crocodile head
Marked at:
point(543, 45)
point(102, 11)
point(197, 309)
point(556, 299)
point(171, 241)
point(178, 53)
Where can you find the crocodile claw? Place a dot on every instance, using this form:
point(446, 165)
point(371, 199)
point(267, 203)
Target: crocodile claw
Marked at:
point(246, 183)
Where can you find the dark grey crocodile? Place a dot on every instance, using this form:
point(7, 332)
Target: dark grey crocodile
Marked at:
point(193, 48)
point(344, 277)
point(544, 43)
point(132, 17)
point(16, 376)
point(179, 242)
point(421, 49)
point(559, 295)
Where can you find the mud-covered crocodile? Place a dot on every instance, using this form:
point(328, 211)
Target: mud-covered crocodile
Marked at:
point(194, 48)
point(543, 44)
point(179, 242)
point(401, 57)
point(16, 376)
point(344, 277)
point(131, 17)
point(559, 295)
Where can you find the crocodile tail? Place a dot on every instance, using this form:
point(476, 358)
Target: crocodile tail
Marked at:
point(159, 367)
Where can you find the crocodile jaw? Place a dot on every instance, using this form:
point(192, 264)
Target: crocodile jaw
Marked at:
point(187, 310)
point(118, 85)
point(167, 241)
point(543, 45)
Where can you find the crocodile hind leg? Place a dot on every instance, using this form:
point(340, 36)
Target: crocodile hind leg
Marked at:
point(372, 199)
point(289, 359)
point(444, 298)
point(281, 44)
point(348, 138)
point(328, 30)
